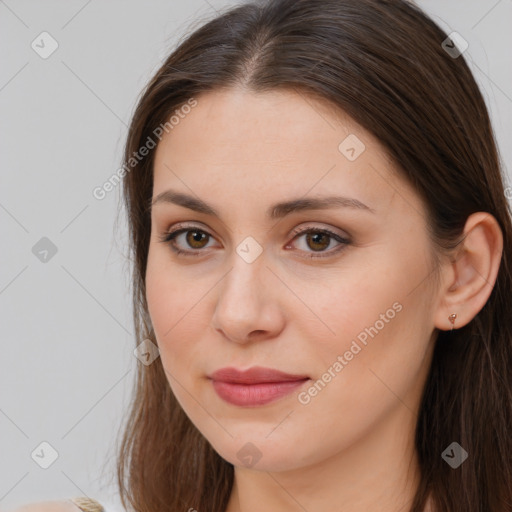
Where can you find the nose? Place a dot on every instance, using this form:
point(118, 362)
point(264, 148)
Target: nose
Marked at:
point(248, 306)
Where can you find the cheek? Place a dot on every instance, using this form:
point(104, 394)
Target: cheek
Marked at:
point(353, 302)
point(178, 321)
point(377, 318)
point(173, 307)
point(382, 329)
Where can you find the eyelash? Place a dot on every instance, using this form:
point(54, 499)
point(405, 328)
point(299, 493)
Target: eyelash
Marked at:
point(169, 237)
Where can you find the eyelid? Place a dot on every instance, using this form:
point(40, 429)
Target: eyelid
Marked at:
point(316, 227)
point(176, 230)
point(182, 227)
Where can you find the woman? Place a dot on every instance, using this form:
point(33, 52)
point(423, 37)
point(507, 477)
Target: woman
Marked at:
point(322, 249)
point(295, 101)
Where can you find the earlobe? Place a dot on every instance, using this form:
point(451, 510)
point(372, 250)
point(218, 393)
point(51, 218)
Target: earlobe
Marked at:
point(470, 277)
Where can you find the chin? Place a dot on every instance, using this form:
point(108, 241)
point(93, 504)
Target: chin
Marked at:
point(261, 454)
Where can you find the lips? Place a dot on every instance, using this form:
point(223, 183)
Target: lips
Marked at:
point(254, 375)
point(256, 386)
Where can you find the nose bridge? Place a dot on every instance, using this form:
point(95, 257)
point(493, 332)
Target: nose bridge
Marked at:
point(245, 281)
point(247, 262)
point(243, 303)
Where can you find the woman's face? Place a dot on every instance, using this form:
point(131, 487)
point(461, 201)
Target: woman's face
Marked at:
point(353, 315)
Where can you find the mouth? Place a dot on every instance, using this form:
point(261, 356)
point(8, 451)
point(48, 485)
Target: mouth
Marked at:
point(254, 387)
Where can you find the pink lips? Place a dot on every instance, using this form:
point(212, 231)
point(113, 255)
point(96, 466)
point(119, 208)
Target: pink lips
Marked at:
point(256, 386)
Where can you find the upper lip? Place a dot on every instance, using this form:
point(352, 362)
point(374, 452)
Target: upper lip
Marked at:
point(254, 375)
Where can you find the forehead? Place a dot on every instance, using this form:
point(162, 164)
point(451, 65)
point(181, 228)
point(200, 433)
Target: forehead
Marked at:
point(251, 146)
point(278, 120)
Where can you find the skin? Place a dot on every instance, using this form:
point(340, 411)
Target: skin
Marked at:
point(351, 447)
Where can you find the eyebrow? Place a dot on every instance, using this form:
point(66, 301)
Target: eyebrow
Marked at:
point(275, 211)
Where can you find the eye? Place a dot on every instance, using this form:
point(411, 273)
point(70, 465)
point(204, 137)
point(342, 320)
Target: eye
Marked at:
point(316, 238)
point(319, 239)
point(195, 238)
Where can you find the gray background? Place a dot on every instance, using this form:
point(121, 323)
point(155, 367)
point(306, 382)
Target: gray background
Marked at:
point(67, 364)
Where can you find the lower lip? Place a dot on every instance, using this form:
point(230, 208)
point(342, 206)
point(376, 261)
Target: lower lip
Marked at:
point(255, 394)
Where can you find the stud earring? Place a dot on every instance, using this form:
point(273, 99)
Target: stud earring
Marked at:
point(452, 318)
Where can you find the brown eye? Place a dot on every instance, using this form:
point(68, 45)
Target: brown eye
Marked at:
point(318, 241)
point(196, 238)
point(195, 241)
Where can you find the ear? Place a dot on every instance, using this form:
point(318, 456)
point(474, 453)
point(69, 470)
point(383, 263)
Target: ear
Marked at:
point(469, 278)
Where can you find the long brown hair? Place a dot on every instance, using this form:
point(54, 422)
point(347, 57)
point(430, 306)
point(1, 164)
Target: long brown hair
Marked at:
point(383, 63)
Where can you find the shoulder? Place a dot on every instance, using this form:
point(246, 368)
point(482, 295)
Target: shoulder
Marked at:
point(48, 506)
